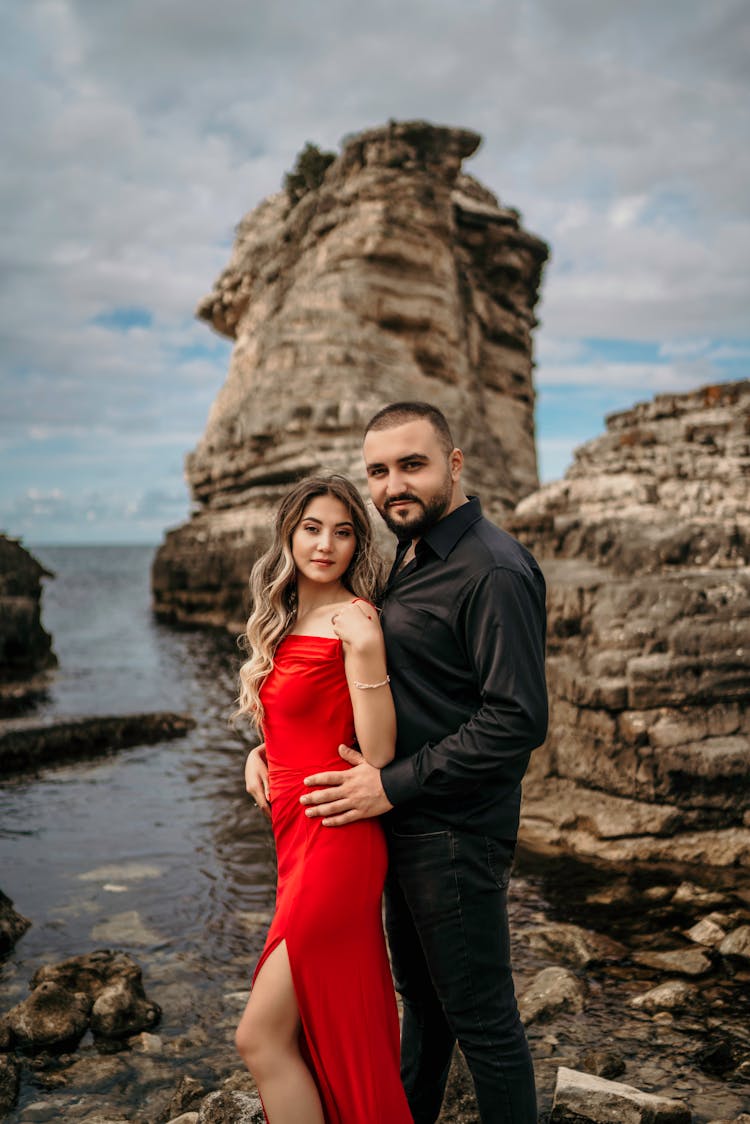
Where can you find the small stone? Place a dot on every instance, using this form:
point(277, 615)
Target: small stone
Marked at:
point(737, 943)
point(551, 992)
point(231, 1108)
point(581, 1097)
point(718, 1056)
point(186, 1096)
point(603, 1063)
point(674, 995)
point(707, 933)
point(618, 893)
point(148, 1043)
point(688, 893)
point(658, 893)
point(683, 962)
point(574, 945)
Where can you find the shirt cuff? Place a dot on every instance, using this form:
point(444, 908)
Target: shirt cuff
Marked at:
point(399, 779)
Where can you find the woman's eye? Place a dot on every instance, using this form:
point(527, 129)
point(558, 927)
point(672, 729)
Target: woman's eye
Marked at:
point(344, 534)
point(310, 528)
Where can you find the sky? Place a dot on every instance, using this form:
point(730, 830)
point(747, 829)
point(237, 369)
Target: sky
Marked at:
point(137, 133)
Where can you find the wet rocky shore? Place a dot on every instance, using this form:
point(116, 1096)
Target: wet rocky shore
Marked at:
point(634, 987)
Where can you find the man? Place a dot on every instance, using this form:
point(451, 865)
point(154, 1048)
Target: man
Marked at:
point(464, 625)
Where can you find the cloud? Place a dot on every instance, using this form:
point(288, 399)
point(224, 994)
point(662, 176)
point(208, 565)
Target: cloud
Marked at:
point(53, 516)
point(140, 133)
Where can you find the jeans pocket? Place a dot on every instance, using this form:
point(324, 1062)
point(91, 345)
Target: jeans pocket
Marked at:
point(500, 861)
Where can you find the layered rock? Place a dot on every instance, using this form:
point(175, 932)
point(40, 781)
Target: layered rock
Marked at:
point(397, 276)
point(27, 744)
point(102, 990)
point(25, 648)
point(646, 547)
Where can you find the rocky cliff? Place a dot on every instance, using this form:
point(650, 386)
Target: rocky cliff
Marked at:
point(396, 276)
point(25, 648)
point(646, 547)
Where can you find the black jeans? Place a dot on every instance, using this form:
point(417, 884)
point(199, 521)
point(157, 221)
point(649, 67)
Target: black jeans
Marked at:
point(447, 925)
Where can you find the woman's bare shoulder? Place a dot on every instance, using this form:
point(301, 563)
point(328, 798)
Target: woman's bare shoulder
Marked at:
point(318, 622)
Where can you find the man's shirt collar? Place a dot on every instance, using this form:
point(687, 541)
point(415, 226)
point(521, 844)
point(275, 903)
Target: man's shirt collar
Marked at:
point(443, 536)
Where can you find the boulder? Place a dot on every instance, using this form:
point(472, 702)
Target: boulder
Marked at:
point(574, 945)
point(674, 995)
point(121, 1009)
point(52, 1016)
point(12, 924)
point(645, 545)
point(25, 648)
point(393, 275)
point(581, 1097)
point(100, 989)
point(552, 992)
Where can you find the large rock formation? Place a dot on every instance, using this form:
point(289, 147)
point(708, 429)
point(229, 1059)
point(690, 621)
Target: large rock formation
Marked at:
point(396, 276)
point(25, 648)
point(646, 547)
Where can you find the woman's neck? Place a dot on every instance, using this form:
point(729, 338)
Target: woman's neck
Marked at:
point(311, 597)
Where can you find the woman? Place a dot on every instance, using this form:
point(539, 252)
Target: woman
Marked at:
point(320, 1030)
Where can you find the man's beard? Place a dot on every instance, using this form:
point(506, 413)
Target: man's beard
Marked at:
point(415, 526)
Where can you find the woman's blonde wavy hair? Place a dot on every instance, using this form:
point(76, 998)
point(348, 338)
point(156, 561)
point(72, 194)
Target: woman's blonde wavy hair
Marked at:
point(273, 582)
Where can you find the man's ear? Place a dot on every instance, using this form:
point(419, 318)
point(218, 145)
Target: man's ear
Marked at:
point(456, 462)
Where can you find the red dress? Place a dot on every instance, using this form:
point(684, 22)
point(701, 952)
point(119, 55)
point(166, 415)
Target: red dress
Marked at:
point(330, 882)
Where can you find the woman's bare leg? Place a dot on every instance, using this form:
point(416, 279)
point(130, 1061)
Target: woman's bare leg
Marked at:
point(267, 1040)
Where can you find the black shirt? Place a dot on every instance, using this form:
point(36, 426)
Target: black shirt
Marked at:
point(464, 626)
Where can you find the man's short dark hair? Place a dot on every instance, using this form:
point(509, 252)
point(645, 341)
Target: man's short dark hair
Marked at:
point(398, 413)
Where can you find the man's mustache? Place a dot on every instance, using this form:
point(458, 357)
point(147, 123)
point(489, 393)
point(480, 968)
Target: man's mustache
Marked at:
point(401, 498)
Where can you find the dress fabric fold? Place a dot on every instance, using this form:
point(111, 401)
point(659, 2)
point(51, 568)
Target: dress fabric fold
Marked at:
point(328, 897)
